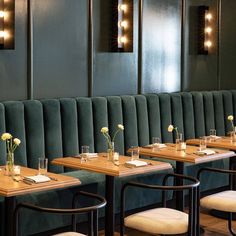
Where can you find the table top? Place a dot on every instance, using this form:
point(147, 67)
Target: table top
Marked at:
point(103, 166)
point(10, 187)
point(189, 155)
point(223, 142)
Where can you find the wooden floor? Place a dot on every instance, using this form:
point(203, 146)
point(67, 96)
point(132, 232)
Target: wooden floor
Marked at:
point(213, 227)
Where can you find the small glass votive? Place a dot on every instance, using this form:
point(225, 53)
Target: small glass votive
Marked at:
point(155, 143)
point(202, 143)
point(134, 153)
point(116, 156)
point(84, 152)
point(43, 166)
point(16, 170)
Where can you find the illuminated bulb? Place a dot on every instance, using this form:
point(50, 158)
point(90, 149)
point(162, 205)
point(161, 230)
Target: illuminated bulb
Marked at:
point(122, 7)
point(2, 34)
point(208, 30)
point(123, 24)
point(2, 13)
point(208, 43)
point(208, 16)
point(122, 39)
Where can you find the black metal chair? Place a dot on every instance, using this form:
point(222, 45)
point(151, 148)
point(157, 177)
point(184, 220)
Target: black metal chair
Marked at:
point(163, 220)
point(92, 212)
point(222, 201)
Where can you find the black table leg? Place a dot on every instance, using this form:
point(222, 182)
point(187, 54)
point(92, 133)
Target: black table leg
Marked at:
point(179, 194)
point(10, 203)
point(110, 215)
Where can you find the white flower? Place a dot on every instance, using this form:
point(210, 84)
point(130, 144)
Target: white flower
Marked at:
point(170, 128)
point(121, 127)
point(104, 130)
point(230, 118)
point(6, 136)
point(17, 141)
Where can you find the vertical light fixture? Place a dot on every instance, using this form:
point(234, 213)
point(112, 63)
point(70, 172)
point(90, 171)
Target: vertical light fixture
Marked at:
point(7, 24)
point(122, 26)
point(204, 30)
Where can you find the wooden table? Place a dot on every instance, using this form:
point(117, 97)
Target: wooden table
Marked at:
point(108, 168)
point(223, 142)
point(181, 157)
point(10, 189)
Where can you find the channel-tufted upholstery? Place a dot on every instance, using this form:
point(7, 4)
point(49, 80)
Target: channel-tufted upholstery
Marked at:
point(59, 127)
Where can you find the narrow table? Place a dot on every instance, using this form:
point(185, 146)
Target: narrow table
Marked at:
point(181, 157)
point(10, 188)
point(108, 168)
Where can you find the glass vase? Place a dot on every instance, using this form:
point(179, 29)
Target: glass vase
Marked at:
point(178, 142)
point(10, 164)
point(110, 151)
point(233, 136)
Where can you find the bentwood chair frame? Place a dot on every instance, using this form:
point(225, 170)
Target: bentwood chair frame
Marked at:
point(92, 212)
point(192, 188)
point(231, 174)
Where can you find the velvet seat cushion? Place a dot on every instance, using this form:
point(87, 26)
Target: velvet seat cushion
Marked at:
point(69, 234)
point(222, 201)
point(159, 221)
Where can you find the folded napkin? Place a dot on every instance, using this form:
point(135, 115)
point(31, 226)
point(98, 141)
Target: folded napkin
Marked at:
point(135, 163)
point(160, 145)
point(214, 137)
point(90, 155)
point(37, 178)
point(205, 152)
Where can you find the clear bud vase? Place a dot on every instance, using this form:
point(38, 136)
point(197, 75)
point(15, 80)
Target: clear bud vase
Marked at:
point(10, 164)
point(233, 136)
point(178, 141)
point(110, 151)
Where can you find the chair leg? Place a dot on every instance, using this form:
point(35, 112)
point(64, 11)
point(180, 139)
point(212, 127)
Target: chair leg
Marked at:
point(230, 224)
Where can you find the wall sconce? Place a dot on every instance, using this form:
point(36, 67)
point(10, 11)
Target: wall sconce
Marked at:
point(7, 24)
point(122, 26)
point(204, 30)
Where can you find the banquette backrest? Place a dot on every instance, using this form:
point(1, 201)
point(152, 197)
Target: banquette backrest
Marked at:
point(58, 127)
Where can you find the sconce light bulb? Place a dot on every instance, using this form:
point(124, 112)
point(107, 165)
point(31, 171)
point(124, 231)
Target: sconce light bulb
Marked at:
point(122, 7)
point(123, 24)
point(2, 34)
point(208, 30)
point(208, 44)
point(122, 39)
point(208, 16)
point(2, 14)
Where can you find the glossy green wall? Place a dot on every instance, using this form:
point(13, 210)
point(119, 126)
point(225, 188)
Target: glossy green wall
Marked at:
point(165, 61)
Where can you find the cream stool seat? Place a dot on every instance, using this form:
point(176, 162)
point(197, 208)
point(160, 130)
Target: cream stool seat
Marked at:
point(159, 221)
point(222, 201)
point(69, 234)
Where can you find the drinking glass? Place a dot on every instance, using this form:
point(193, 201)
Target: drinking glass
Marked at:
point(212, 135)
point(202, 143)
point(155, 143)
point(84, 152)
point(134, 153)
point(43, 166)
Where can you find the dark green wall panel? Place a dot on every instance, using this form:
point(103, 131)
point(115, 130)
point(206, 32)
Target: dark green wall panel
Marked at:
point(114, 73)
point(161, 45)
point(200, 71)
point(228, 46)
point(60, 48)
point(13, 63)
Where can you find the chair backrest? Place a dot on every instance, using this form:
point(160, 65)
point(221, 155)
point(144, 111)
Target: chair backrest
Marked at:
point(92, 211)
